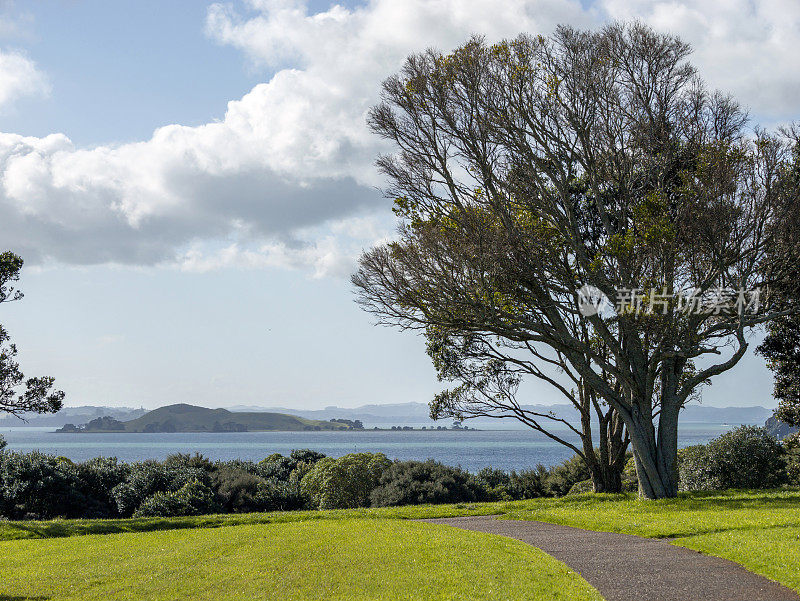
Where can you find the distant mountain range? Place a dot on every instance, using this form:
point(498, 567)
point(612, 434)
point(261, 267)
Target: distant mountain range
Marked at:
point(419, 414)
point(74, 415)
point(372, 415)
point(189, 418)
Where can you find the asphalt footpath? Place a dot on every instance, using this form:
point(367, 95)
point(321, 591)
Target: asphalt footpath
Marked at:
point(632, 568)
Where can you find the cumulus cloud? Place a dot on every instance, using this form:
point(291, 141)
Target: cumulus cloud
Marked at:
point(286, 177)
point(19, 77)
point(745, 47)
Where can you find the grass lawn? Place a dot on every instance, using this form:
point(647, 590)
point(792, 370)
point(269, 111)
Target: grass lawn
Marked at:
point(378, 553)
point(348, 559)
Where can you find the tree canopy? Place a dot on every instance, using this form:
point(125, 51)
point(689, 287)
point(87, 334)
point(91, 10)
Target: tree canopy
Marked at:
point(531, 173)
point(18, 394)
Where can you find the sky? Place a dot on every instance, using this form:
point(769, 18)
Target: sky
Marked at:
point(191, 183)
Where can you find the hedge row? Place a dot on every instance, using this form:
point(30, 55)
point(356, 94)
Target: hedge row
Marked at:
point(39, 486)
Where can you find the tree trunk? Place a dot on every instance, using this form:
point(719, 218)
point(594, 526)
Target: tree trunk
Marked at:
point(606, 478)
point(655, 460)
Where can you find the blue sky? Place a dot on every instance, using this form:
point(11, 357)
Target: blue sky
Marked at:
point(190, 183)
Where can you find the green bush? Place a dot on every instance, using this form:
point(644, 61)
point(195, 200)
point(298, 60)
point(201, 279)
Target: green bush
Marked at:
point(181, 460)
point(240, 491)
point(193, 498)
point(745, 457)
point(630, 481)
point(38, 486)
point(96, 480)
point(299, 462)
point(150, 477)
point(497, 484)
point(419, 482)
point(581, 487)
point(344, 482)
point(530, 484)
point(565, 475)
point(791, 445)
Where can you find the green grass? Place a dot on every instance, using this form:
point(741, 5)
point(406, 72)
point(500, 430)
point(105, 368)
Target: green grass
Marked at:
point(337, 554)
point(336, 559)
point(63, 528)
point(690, 514)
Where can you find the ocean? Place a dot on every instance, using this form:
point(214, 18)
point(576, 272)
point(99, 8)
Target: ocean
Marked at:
point(471, 449)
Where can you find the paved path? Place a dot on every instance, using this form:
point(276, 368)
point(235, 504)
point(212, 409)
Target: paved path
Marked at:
point(631, 568)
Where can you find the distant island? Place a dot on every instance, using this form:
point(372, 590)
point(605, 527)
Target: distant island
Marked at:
point(190, 418)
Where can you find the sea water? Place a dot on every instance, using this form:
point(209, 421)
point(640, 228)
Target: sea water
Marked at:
point(470, 449)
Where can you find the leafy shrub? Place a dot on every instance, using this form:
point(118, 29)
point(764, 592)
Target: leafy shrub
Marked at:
point(565, 475)
point(496, 484)
point(696, 470)
point(96, 479)
point(418, 482)
point(299, 462)
point(181, 460)
point(193, 498)
point(149, 477)
point(581, 487)
point(745, 457)
point(3, 443)
point(791, 445)
point(240, 491)
point(38, 486)
point(344, 482)
point(306, 456)
point(630, 481)
point(529, 484)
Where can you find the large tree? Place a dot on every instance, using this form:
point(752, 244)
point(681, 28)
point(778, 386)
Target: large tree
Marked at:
point(19, 395)
point(528, 170)
point(781, 347)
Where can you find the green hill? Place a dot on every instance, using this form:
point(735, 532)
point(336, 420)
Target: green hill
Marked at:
point(189, 418)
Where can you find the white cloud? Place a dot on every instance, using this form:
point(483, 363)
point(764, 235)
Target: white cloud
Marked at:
point(745, 47)
point(285, 177)
point(19, 77)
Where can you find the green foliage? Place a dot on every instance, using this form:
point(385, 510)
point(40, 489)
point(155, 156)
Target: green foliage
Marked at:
point(37, 486)
point(150, 477)
point(530, 484)
point(19, 394)
point(781, 348)
point(281, 468)
point(96, 479)
point(497, 484)
point(630, 481)
point(241, 491)
point(745, 457)
point(791, 445)
point(420, 482)
point(344, 482)
point(582, 487)
point(564, 476)
point(193, 498)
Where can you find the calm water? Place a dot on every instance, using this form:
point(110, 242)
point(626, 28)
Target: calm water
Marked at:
point(472, 450)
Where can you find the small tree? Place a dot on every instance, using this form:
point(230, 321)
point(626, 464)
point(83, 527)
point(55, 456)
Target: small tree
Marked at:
point(17, 394)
